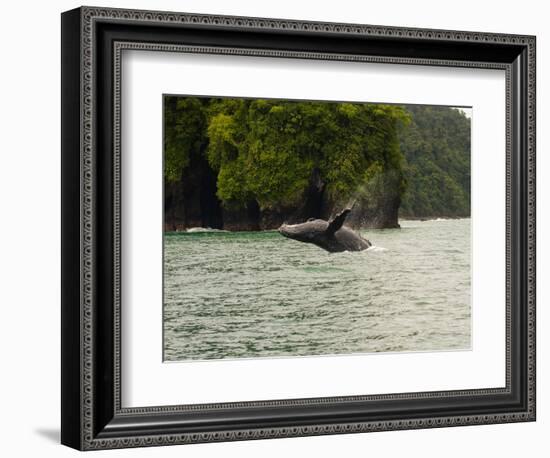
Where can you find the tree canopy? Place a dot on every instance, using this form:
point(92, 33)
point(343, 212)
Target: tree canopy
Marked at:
point(264, 150)
point(436, 147)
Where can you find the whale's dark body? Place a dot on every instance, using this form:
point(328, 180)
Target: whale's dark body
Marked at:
point(331, 235)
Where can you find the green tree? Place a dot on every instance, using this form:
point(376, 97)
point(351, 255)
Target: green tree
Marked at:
point(184, 133)
point(436, 147)
point(267, 149)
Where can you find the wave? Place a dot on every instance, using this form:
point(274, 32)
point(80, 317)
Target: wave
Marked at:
point(427, 219)
point(204, 229)
point(376, 249)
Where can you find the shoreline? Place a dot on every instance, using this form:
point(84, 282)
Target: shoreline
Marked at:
point(432, 218)
point(202, 230)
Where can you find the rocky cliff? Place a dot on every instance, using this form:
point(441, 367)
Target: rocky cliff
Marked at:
point(254, 164)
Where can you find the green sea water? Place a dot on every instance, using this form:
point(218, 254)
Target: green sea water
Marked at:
point(258, 294)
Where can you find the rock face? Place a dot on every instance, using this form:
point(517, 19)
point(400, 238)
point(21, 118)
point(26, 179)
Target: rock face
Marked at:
point(371, 214)
point(193, 203)
point(241, 218)
point(375, 206)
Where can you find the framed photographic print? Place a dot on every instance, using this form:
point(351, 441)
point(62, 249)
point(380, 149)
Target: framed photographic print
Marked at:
point(276, 228)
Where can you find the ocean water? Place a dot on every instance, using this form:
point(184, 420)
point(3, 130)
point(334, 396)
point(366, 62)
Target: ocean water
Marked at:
point(258, 294)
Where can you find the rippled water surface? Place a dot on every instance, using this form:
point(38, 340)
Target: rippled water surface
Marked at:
point(258, 294)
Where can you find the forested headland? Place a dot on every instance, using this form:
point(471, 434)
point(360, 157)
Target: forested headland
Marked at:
point(252, 164)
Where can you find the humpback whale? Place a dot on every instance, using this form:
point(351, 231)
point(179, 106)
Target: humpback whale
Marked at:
point(330, 235)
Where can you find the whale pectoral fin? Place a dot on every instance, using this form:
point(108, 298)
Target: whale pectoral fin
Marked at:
point(336, 223)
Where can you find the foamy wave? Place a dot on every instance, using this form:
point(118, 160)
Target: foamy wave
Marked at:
point(419, 221)
point(204, 229)
point(446, 219)
point(376, 249)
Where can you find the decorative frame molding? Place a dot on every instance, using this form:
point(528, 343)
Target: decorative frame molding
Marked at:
point(92, 414)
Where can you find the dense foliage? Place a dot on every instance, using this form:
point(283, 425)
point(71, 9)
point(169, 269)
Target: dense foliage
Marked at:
point(184, 133)
point(266, 151)
point(436, 146)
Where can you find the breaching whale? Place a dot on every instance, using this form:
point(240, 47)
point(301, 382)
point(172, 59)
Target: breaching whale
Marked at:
point(330, 235)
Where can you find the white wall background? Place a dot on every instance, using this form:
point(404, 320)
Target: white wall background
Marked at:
point(30, 240)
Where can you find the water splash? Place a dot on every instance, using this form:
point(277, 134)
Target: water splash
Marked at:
point(204, 229)
point(376, 249)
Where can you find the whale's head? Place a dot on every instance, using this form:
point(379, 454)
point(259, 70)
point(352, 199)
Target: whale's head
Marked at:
point(308, 232)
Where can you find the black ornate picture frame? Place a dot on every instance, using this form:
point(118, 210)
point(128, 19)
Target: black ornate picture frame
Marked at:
point(92, 42)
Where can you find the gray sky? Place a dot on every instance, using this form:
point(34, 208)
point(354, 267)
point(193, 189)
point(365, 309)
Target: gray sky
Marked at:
point(467, 111)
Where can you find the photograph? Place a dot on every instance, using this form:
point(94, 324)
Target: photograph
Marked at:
point(283, 223)
point(296, 228)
